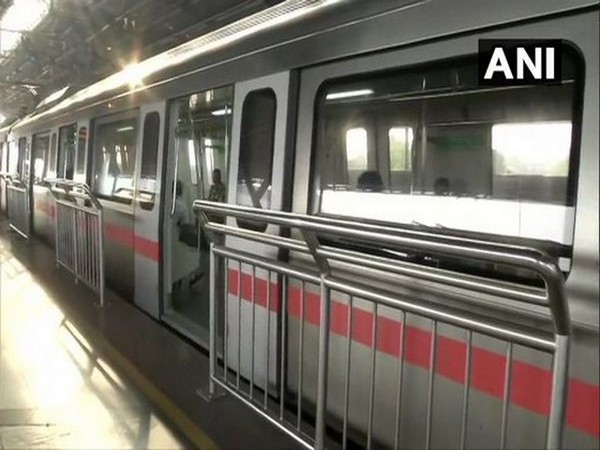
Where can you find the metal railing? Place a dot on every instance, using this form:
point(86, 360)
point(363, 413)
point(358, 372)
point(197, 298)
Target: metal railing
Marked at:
point(17, 204)
point(79, 233)
point(238, 373)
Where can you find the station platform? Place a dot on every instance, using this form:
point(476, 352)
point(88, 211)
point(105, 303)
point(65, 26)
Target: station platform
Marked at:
point(74, 375)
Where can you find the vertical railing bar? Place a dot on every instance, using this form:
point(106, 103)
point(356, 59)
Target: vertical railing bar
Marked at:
point(506, 395)
point(101, 281)
point(284, 312)
point(300, 357)
point(399, 386)
point(558, 403)
point(465, 411)
point(347, 379)
point(267, 368)
point(74, 231)
point(225, 319)
point(432, 352)
point(252, 329)
point(323, 363)
point(372, 377)
point(239, 326)
point(212, 357)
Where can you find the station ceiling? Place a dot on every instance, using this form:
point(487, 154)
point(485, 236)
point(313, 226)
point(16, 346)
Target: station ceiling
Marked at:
point(81, 41)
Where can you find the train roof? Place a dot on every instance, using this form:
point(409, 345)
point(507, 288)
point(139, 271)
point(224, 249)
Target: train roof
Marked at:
point(293, 21)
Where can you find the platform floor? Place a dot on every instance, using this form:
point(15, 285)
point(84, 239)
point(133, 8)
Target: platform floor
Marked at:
point(73, 375)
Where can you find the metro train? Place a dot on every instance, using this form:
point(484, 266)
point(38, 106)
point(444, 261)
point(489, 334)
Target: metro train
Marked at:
point(366, 110)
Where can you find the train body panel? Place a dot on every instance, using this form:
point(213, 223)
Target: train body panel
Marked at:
point(261, 112)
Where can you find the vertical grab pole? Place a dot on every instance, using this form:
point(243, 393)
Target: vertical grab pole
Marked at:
point(75, 244)
point(212, 322)
point(558, 405)
point(323, 360)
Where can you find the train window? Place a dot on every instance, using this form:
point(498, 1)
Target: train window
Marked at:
point(150, 146)
point(41, 147)
point(22, 158)
point(114, 157)
point(257, 142)
point(450, 154)
point(81, 153)
point(66, 151)
point(51, 169)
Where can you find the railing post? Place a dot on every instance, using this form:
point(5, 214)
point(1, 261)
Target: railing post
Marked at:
point(212, 322)
point(560, 377)
point(75, 246)
point(101, 281)
point(323, 367)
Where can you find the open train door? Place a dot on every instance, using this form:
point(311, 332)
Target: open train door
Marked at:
point(260, 177)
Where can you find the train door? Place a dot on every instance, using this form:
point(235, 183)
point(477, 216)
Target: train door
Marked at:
point(260, 178)
point(3, 169)
point(147, 207)
point(197, 167)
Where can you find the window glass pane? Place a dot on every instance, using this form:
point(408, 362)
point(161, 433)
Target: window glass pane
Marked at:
point(535, 148)
point(81, 153)
point(51, 169)
point(256, 149)
point(400, 142)
point(22, 161)
point(66, 151)
point(356, 148)
point(199, 140)
point(41, 146)
point(114, 159)
point(433, 141)
point(150, 146)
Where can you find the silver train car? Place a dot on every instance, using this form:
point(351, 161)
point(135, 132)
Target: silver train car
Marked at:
point(370, 111)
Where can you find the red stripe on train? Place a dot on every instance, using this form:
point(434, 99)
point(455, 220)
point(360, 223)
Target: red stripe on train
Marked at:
point(531, 385)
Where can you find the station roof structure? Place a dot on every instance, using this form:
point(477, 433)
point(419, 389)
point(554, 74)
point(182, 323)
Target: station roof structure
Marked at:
point(52, 48)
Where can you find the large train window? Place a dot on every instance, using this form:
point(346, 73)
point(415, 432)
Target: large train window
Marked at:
point(81, 153)
point(114, 150)
point(41, 148)
point(51, 168)
point(66, 151)
point(437, 150)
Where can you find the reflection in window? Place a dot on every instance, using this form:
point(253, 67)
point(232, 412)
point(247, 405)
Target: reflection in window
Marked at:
point(400, 141)
point(536, 148)
point(192, 162)
point(356, 148)
point(114, 159)
point(81, 154)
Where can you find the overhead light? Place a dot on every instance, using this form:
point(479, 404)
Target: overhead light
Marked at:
point(122, 129)
point(54, 96)
point(222, 112)
point(2, 118)
point(22, 16)
point(348, 94)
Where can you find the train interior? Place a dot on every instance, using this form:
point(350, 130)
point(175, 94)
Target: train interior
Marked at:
point(200, 139)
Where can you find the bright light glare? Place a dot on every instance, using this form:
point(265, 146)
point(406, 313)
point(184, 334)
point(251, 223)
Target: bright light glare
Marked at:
point(2, 118)
point(23, 15)
point(54, 96)
point(222, 112)
point(356, 148)
point(536, 148)
point(123, 129)
point(133, 75)
point(349, 94)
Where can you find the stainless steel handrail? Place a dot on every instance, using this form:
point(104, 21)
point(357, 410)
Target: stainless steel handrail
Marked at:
point(17, 199)
point(522, 257)
point(312, 228)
